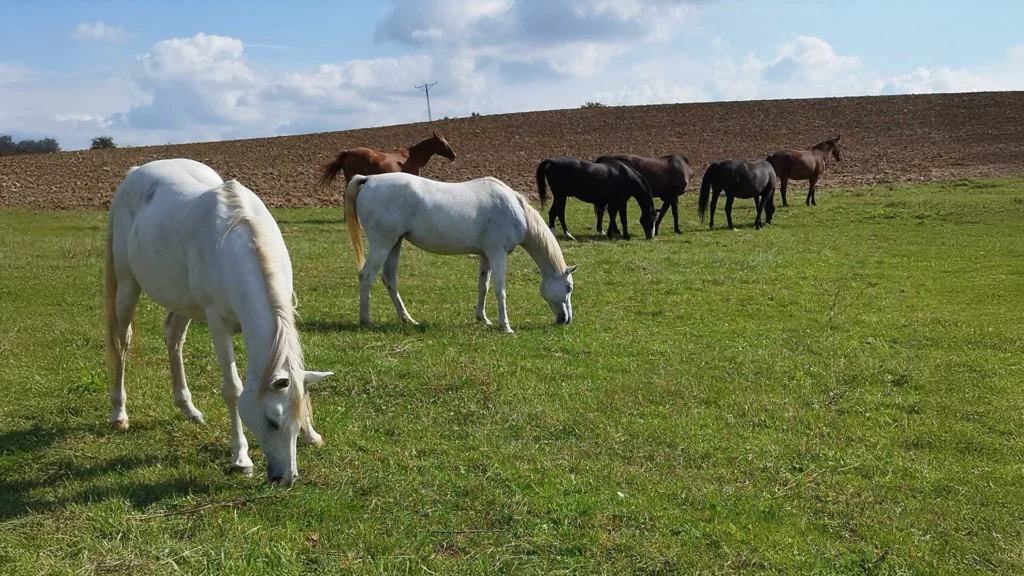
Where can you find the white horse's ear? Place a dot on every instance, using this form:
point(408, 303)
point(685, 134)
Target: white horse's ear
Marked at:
point(314, 377)
point(571, 269)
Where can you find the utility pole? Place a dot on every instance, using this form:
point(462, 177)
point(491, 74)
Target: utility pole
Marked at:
point(426, 88)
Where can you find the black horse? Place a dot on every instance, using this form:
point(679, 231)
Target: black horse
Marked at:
point(667, 175)
point(609, 184)
point(739, 180)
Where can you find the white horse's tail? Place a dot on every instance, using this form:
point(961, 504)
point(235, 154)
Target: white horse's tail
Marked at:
point(114, 348)
point(355, 231)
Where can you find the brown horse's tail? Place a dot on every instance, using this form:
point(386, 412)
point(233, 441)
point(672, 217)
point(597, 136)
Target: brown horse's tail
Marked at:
point(542, 190)
point(355, 231)
point(331, 170)
point(705, 190)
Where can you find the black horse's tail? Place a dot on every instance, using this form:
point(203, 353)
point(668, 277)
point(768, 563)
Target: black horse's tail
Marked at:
point(705, 190)
point(542, 190)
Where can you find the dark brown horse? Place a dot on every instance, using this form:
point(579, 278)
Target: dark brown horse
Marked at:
point(738, 179)
point(367, 161)
point(667, 175)
point(804, 165)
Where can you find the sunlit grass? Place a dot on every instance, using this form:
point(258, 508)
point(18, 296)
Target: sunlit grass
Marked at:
point(838, 393)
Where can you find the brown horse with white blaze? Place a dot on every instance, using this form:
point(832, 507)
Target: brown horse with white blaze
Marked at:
point(367, 161)
point(804, 165)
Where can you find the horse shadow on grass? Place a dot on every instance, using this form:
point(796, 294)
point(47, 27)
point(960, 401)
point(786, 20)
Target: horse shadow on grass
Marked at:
point(324, 326)
point(27, 490)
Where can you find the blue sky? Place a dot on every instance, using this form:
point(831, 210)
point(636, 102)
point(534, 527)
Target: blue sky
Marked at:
point(156, 72)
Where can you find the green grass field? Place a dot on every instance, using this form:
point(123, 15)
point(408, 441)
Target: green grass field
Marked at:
point(839, 393)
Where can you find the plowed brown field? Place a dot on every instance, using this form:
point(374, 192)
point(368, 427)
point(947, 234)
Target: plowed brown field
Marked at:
point(886, 139)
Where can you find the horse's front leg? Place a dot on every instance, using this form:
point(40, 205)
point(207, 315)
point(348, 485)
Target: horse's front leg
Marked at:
point(390, 280)
point(782, 190)
point(309, 436)
point(622, 218)
point(729, 198)
point(599, 211)
point(497, 261)
point(230, 390)
point(175, 329)
point(758, 204)
point(483, 284)
point(811, 191)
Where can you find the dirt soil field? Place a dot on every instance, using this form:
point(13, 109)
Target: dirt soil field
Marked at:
point(886, 140)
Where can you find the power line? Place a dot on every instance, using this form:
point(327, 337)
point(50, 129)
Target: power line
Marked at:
point(426, 88)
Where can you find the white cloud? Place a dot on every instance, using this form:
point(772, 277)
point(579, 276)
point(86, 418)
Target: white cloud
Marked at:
point(100, 32)
point(12, 73)
point(206, 87)
point(526, 39)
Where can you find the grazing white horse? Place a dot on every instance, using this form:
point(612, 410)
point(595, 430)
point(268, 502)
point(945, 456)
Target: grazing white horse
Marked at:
point(209, 250)
point(483, 217)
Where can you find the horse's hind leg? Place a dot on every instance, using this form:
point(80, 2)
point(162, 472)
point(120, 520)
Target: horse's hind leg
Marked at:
point(715, 193)
point(599, 211)
point(812, 191)
point(175, 329)
point(374, 261)
point(729, 198)
point(561, 217)
point(782, 190)
point(675, 214)
point(661, 215)
point(482, 286)
point(230, 389)
point(128, 292)
point(758, 206)
point(390, 279)
point(497, 261)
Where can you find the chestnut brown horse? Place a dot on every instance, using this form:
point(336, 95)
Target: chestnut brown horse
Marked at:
point(367, 161)
point(804, 165)
point(667, 175)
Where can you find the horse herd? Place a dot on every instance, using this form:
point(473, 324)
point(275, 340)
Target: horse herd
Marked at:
point(210, 251)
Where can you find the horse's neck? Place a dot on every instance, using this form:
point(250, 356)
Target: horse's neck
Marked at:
point(419, 154)
point(822, 153)
point(538, 250)
point(257, 318)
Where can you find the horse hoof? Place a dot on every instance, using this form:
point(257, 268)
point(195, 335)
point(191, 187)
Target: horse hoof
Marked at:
point(308, 440)
point(197, 418)
point(483, 320)
point(244, 470)
point(410, 321)
point(507, 330)
point(119, 425)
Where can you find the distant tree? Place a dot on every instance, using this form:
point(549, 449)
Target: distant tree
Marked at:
point(8, 147)
point(593, 105)
point(476, 115)
point(102, 143)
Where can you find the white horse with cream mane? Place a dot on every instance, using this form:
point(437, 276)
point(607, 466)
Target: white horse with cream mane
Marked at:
point(209, 250)
point(483, 217)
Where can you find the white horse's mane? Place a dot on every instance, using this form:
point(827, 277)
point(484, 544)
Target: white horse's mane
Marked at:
point(539, 239)
point(285, 349)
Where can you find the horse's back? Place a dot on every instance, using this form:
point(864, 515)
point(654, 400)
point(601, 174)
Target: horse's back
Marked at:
point(168, 219)
point(441, 217)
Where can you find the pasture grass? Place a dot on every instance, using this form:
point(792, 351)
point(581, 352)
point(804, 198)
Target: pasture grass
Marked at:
point(840, 393)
